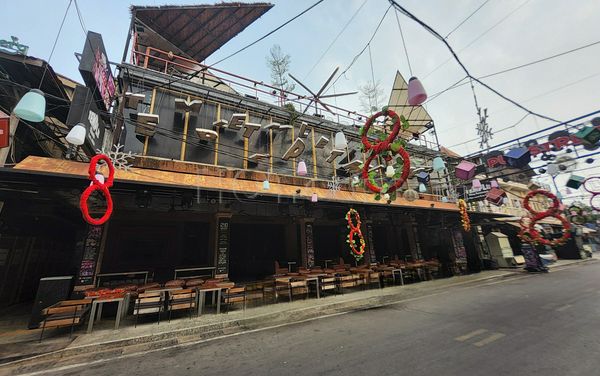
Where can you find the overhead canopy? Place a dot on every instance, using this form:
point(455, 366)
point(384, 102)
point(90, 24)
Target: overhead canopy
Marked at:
point(419, 119)
point(195, 31)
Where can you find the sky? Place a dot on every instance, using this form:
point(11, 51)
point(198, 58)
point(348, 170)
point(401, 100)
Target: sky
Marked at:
point(502, 34)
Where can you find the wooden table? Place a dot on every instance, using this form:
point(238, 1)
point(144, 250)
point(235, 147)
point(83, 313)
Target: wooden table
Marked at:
point(100, 302)
point(317, 279)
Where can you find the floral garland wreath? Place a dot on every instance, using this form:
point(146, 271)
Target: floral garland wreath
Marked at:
point(355, 230)
point(388, 147)
point(98, 186)
point(528, 232)
point(464, 215)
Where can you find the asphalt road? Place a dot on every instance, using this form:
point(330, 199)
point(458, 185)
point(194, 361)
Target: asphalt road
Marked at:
point(535, 325)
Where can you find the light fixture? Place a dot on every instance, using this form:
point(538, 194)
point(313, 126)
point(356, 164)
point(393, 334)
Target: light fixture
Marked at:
point(386, 197)
point(410, 195)
point(32, 106)
point(422, 188)
point(438, 164)
point(99, 177)
point(476, 185)
point(416, 92)
point(266, 185)
point(552, 169)
point(301, 168)
point(444, 199)
point(340, 141)
point(355, 180)
point(314, 197)
point(76, 135)
point(389, 171)
point(494, 184)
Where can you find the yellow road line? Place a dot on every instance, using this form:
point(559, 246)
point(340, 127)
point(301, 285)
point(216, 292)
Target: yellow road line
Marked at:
point(490, 339)
point(470, 335)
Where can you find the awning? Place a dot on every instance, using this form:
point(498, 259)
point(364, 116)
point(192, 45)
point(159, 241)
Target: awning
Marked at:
point(195, 30)
point(146, 177)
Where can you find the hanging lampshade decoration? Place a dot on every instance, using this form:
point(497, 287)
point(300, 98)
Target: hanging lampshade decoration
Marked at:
point(410, 195)
point(438, 164)
point(423, 177)
point(552, 169)
point(588, 135)
point(266, 185)
point(314, 198)
point(422, 188)
point(386, 197)
point(465, 170)
point(575, 181)
point(99, 177)
point(76, 135)
point(505, 200)
point(355, 180)
point(416, 92)
point(444, 199)
point(340, 141)
point(301, 168)
point(476, 185)
point(32, 107)
point(494, 184)
point(389, 171)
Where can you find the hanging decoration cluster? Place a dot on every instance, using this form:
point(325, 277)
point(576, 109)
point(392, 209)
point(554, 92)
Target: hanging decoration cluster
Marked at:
point(355, 231)
point(391, 149)
point(98, 184)
point(464, 215)
point(528, 232)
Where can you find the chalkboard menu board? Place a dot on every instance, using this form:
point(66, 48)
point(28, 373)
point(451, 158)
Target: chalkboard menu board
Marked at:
point(91, 250)
point(222, 264)
point(310, 248)
point(532, 260)
point(372, 254)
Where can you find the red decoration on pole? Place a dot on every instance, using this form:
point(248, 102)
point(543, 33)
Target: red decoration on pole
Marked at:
point(382, 147)
point(528, 232)
point(98, 186)
point(355, 230)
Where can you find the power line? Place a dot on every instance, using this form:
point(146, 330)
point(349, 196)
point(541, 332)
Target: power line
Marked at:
point(335, 39)
point(466, 19)
point(464, 68)
point(479, 36)
point(403, 41)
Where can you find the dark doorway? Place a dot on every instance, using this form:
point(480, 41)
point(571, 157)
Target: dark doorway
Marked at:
point(254, 250)
point(330, 245)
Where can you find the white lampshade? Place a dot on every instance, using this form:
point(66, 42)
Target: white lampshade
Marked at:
point(389, 171)
point(422, 188)
point(552, 169)
point(76, 135)
point(314, 198)
point(340, 141)
point(355, 180)
point(99, 177)
point(266, 185)
point(32, 106)
point(386, 197)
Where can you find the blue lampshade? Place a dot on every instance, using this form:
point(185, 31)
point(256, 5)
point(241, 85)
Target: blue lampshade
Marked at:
point(438, 164)
point(266, 185)
point(444, 199)
point(32, 107)
point(422, 188)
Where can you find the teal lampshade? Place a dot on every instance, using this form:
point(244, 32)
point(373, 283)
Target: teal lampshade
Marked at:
point(438, 164)
point(266, 185)
point(32, 107)
point(422, 188)
point(444, 199)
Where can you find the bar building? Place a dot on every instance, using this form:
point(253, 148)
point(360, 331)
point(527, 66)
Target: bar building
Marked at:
point(230, 174)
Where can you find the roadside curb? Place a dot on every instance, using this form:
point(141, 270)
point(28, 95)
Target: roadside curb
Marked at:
point(103, 351)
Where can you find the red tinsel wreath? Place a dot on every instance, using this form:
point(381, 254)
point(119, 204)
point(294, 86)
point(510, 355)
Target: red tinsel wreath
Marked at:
point(355, 230)
point(528, 232)
point(383, 146)
point(98, 186)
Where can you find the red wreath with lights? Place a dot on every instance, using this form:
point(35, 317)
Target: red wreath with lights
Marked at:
point(98, 186)
point(528, 232)
point(388, 148)
point(464, 215)
point(355, 230)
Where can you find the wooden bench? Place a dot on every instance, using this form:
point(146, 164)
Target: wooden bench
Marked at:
point(182, 299)
point(149, 302)
point(66, 313)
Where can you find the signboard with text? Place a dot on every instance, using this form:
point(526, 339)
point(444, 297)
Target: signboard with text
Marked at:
point(95, 70)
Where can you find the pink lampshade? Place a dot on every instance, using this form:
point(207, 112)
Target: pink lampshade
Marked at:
point(416, 93)
point(476, 184)
point(301, 168)
point(494, 184)
point(314, 198)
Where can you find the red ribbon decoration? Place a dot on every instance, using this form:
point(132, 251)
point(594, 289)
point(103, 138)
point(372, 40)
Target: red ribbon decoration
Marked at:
point(98, 186)
point(383, 146)
point(529, 234)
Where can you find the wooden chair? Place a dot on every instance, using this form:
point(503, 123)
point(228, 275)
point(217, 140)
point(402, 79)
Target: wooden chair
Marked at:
point(329, 284)
point(182, 299)
point(255, 291)
point(149, 302)
point(299, 287)
point(235, 295)
point(279, 270)
point(67, 313)
point(373, 278)
point(347, 281)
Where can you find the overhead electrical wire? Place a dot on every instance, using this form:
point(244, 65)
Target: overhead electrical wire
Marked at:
point(464, 68)
point(403, 42)
point(466, 19)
